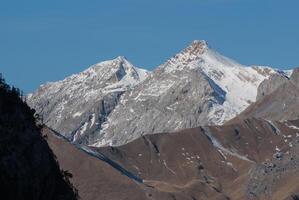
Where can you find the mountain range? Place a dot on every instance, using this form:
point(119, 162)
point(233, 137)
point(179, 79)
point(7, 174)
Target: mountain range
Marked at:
point(199, 126)
point(113, 102)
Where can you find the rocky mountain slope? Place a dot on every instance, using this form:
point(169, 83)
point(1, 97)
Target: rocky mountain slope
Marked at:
point(28, 168)
point(113, 102)
point(196, 87)
point(78, 105)
point(270, 85)
point(94, 179)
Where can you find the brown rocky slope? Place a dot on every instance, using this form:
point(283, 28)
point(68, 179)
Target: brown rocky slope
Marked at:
point(254, 159)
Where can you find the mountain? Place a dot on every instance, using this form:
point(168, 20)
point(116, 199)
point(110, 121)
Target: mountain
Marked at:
point(197, 86)
point(245, 143)
point(78, 105)
point(28, 167)
point(114, 102)
point(279, 99)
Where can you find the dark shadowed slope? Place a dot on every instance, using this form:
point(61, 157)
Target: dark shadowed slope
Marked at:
point(28, 169)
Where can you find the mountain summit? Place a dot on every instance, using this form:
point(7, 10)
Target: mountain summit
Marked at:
point(113, 102)
point(197, 86)
point(78, 105)
point(193, 51)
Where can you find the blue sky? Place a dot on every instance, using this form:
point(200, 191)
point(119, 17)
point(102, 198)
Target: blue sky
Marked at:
point(43, 41)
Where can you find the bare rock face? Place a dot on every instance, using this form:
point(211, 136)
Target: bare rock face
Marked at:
point(295, 77)
point(181, 100)
point(270, 85)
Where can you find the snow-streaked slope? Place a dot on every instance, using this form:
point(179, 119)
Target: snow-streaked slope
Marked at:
point(113, 102)
point(239, 82)
point(77, 105)
point(197, 86)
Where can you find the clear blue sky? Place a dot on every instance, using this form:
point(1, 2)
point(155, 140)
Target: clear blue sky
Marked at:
point(47, 40)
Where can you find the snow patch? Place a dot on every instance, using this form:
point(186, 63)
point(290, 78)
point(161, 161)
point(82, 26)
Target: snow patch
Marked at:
point(166, 166)
point(218, 145)
point(93, 119)
point(292, 126)
point(273, 127)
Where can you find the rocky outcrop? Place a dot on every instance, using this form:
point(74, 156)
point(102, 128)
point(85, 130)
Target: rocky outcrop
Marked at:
point(270, 85)
point(295, 77)
point(281, 104)
point(275, 177)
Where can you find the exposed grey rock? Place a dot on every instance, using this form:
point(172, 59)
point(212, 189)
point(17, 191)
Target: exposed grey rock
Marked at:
point(270, 85)
point(265, 177)
point(295, 77)
point(187, 102)
point(281, 104)
point(78, 105)
point(195, 87)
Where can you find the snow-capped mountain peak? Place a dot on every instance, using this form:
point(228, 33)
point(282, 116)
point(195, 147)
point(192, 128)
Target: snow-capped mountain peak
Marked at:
point(196, 53)
point(76, 105)
point(193, 52)
point(197, 86)
point(126, 75)
point(197, 47)
point(113, 102)
point(238, 82)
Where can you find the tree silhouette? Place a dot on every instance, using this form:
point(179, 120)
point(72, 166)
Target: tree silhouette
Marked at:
point(28, 167)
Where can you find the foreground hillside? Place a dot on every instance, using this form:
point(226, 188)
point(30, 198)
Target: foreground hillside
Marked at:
point(28, 169)
point(254, 159)
point(97, 177)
